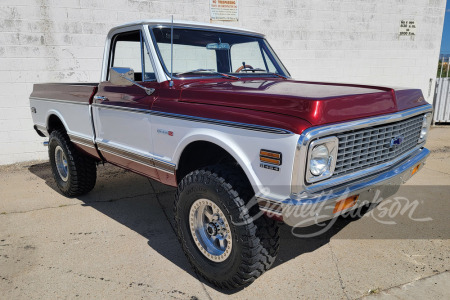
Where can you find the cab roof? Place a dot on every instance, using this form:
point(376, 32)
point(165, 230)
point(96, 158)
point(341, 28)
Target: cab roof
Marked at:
point(190, 24)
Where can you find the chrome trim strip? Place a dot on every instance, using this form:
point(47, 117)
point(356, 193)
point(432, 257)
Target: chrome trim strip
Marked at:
point(122, 108)
point(60, 101)
point(298, 186)
point(81, 140)
point(83, 144)
point(149, 161)
point(199, 119)
point(126, 153)
point(164, 166)
point(125, 157)
point(224, 123)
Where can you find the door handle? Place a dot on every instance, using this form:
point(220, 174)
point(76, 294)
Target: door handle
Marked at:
point(101, 98)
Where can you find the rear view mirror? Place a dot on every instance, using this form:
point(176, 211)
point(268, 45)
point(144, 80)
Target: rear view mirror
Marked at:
point(218, 46)
point(121, 76)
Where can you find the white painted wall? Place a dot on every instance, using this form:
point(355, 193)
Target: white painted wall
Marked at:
point(325, 40)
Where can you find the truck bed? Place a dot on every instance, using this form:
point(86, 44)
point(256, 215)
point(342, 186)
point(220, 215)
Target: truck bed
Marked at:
point(64, 92)
point(67, 103)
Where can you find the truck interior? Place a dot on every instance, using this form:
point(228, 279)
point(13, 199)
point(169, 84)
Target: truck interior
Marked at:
point(128, 50)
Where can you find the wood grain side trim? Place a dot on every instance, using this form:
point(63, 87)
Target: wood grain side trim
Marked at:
point(148, 161)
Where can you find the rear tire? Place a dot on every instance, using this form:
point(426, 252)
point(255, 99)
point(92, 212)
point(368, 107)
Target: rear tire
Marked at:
point(254, 242)
point(75, 173)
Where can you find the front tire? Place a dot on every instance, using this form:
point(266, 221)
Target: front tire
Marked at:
point(221, 240)
point(75, 173)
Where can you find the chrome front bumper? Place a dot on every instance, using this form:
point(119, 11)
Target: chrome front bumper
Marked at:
point(318, 207)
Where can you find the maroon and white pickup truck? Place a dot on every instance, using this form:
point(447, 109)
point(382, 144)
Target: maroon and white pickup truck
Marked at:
point(213, 111)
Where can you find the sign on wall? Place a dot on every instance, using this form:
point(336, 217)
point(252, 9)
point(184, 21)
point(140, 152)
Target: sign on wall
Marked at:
point(407, 27)
point(224, 10)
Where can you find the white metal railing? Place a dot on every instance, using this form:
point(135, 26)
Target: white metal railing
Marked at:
point(441, 97)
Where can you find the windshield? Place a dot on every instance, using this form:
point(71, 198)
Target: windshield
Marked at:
point(200, 53)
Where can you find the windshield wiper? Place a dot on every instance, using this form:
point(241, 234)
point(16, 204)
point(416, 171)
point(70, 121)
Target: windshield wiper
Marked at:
point(209, 71)
point(262, 70)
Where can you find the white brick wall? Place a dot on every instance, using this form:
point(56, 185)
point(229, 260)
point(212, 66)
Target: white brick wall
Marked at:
point(324, 40)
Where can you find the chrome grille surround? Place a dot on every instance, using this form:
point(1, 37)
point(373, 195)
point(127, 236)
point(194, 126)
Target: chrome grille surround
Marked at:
point(300, 189)
point(364, 148)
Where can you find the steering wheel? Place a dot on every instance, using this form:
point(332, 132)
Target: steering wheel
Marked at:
point(242, 68)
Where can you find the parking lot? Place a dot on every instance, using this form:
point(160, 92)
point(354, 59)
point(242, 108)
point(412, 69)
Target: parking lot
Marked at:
point(118, 242)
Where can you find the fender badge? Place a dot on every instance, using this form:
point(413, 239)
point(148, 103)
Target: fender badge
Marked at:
point(269, 167)
point(166, 132)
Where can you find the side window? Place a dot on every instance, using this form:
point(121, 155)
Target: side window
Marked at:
point(129, 51)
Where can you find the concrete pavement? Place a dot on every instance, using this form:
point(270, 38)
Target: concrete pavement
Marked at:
point(118, 242)
point(433, 287)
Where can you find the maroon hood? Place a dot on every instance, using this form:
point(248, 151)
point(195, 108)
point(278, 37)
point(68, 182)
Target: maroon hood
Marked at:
point(318, 103)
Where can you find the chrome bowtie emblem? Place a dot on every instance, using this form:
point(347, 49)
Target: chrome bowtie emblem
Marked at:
point(396, 141)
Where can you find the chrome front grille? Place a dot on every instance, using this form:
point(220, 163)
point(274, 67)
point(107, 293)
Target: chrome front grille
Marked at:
point(364, 148)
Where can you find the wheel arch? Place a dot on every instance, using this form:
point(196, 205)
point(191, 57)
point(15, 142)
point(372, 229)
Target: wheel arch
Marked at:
point(195, 151)
point(54, 120)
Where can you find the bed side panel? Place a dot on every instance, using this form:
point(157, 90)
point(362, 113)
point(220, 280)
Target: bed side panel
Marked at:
point(70, 103)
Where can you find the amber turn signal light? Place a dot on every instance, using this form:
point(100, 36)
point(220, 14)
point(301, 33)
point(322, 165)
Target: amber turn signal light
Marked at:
point(270, 157)
point(346, 203)
point(272, 154)
point(416, 168)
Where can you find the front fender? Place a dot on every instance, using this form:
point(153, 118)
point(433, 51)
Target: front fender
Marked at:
point(244, 147)
point(222, 140)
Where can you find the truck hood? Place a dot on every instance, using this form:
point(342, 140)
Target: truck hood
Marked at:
point(316, 102)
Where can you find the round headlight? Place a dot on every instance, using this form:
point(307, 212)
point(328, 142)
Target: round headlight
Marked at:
point(319, 160)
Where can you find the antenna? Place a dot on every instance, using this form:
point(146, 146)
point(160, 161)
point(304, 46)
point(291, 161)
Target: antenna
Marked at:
point(171, 54)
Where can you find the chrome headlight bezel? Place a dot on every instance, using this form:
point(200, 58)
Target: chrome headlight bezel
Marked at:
point(331, 143)
point(426, 124)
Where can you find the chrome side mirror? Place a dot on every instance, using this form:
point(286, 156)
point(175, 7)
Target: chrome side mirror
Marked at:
point(121, 76)
point(125, 77)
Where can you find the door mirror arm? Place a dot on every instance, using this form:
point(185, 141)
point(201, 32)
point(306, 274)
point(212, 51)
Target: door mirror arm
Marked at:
point(149, 91)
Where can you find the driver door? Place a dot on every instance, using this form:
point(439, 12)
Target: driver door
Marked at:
point(121, 118)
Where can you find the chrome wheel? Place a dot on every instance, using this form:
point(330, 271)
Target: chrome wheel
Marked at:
point(210, 230)
point(61, 163)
